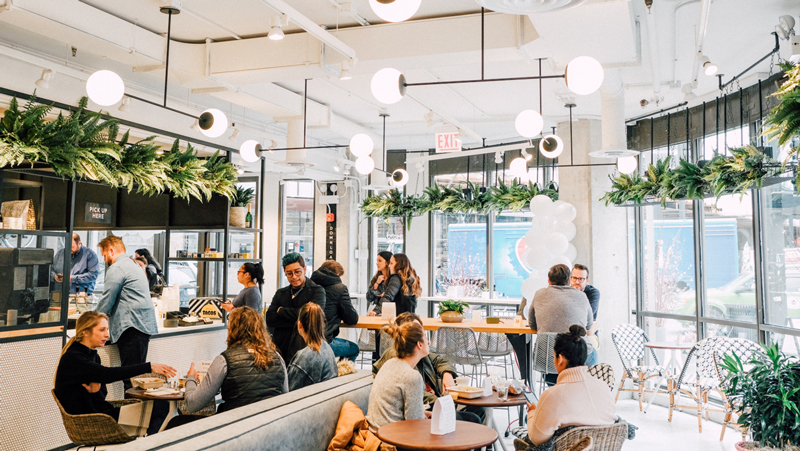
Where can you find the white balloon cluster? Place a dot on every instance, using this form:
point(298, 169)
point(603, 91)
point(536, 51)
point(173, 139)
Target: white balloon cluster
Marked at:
point(548, 241)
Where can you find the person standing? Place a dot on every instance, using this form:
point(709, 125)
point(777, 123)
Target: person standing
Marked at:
point(283, 312)
point(403, 286)
point(251, 275)
point(126, 300)
point(84, 271)
point(338, 308)
point(377, 286)
point(580, 280)
point(153, 268)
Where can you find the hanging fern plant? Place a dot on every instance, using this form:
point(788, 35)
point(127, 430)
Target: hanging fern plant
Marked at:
point(783, 121)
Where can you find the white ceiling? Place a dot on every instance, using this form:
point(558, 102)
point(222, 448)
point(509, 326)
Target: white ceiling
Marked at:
point(613, 31)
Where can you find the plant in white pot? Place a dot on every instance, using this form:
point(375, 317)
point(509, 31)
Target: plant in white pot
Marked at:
point(767, 392)
point(241, 197)
point(452, 311)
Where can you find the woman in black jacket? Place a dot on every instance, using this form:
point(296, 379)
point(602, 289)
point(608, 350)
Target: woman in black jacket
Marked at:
point(403, 286)
point(377, 286)
point(338, 308)
point(153, 269)
point(80, 380)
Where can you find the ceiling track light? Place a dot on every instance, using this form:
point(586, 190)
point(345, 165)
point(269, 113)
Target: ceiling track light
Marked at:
point(44, 81)
point(345, 74)
point(276, 30)
point(126, 102)
point(234, 135)
point(785, 27)
point(708, 67)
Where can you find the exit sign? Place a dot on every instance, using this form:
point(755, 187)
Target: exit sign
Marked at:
point(448, 142)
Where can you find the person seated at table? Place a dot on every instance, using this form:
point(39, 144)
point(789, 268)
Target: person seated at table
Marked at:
point(250, 370)
point(559, 306)
point(80, 379)
point(282, 313)
point(398, 389)
point(251, 275)
point(316, 362)
point(338, 308)
point(437, 373)
point(577, 399)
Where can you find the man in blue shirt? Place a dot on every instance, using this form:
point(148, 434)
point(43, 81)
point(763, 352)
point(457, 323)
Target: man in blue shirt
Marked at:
point(126, 300)
point(85, 268)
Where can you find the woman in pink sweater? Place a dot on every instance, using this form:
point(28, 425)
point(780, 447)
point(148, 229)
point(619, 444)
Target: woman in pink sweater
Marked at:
point(577, 399)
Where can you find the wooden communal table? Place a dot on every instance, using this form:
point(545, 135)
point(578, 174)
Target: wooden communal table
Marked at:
point(489, 403)
point(140, 393)
point(416, 435)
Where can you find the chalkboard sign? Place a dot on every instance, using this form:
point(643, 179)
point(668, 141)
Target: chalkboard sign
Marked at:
point(97, 213)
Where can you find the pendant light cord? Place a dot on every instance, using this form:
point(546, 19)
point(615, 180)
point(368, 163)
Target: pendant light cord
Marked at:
point(166, 71)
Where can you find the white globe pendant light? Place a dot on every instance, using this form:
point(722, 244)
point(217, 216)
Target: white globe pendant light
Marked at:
point(395, 10)
point(213, 123)
point(388, 85)
point(584, 75)
point(529, 123)
point(105, 88)
point(250, 151)
point(365, 165)
point(627, 165)
point(518, 168)
point(551, 146)
point(361, 145)
point(399, 178)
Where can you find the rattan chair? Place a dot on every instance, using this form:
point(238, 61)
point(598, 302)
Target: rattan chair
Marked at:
point(697, 379)
point(584, 444)
point(746, 351)
point(629, 341)
point(604, 372)
point(543, 356)
point(604, 438)
point(94, 429)
point(461, 348)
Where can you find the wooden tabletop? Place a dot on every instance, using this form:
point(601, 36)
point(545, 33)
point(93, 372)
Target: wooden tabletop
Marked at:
point(668, 345)
point(416, 434)
point(140, 393)
point(493, 401)
point(376, 322)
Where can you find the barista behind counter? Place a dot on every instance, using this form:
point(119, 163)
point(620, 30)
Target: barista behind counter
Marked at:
point(84, 271)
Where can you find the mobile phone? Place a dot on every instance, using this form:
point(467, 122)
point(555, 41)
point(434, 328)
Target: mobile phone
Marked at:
point(529, 396)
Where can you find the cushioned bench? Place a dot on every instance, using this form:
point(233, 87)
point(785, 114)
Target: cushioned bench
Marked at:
point(304, 419)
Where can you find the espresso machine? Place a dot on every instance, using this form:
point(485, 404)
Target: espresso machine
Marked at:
point(24, 283)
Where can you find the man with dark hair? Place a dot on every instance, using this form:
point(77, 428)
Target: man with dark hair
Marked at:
point(84, 271)
point(283, 312)
point(580, 280)
point(559, 306)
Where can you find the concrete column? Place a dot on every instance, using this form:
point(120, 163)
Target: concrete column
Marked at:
point(418, 236)
point(602, 238)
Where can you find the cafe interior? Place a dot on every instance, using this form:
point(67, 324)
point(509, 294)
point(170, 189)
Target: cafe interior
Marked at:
point(490, 142)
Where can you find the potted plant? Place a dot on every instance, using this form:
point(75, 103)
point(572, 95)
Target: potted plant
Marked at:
point(241, 198)
point(767, 392)
point(452, 311)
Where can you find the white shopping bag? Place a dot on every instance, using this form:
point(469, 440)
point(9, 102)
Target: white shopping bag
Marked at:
point(389, 311)
point(443, 417)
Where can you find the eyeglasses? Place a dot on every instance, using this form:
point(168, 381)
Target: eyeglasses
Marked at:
point(295, 273)
point(579, 279)
point(239, 271)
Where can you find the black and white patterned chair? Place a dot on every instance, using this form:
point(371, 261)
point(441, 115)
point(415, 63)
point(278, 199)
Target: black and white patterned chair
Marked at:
point(697, 379)
point(745, 351)
point(629, 341)
point(605, 373)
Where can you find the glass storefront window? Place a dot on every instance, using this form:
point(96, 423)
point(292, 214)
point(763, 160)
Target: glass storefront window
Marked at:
point(781, 235)
point(509, 253)
point(459, 255)
point(298, 222)
point(388, 237)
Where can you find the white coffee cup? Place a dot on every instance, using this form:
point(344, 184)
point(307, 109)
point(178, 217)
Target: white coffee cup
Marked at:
point(462, 381)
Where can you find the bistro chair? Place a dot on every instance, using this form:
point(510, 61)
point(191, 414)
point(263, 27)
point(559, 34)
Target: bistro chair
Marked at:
point(604, 438)
point(697, 379)
point(495, 345)
point(543, 360)
point(94, 429)
point(366, 344)
point(461, 348)
point(629, 341)
point(746, 351)
point(605, 373)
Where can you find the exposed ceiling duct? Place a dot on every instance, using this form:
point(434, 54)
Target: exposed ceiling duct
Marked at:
point(612, 107)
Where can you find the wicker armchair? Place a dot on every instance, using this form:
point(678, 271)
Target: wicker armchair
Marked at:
point(697, 379)
point(746, 351)
point(604, 438)
point(629, 341)
point(95, 428)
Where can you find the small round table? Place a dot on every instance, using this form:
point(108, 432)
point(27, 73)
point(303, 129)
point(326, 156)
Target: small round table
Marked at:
point(674, 363)
point(489, 403)
point(140, 393)
point(416, 435)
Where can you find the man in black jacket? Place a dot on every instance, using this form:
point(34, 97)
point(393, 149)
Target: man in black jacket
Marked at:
point(338, 308)
point(282, 313)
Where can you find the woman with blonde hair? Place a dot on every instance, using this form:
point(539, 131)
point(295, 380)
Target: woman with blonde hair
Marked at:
point(250, 370)
point(397, 391)
point(80, 379)
point(316, 362)
point(403, 287)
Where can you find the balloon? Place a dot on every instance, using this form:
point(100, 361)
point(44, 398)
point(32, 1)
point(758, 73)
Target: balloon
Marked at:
point(531, 238)
point(557, 243)
point(541, 205)
point(537, 262)
point(571, 253)
point(528, 288)
point(548, 223)
point(567, 228)
point(562, 260)
point(565, 212)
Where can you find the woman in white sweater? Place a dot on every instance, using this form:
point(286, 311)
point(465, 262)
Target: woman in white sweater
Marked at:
point(398, 388)
point(577, 399)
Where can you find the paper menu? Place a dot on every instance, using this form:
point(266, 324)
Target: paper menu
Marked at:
point(443, 417)
point(388, 310)
point(487, 386)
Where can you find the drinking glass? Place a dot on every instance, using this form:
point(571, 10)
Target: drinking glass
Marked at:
point(502, 390)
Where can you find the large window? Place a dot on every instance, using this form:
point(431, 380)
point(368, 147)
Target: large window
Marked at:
point(509, 252)
point(298, 222)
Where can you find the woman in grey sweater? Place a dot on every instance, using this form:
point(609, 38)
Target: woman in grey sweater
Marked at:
point(316, 362)
point(251, 275)
point(398, 389)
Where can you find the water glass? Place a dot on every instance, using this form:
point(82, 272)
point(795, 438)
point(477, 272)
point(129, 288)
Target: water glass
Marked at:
point(502, 390)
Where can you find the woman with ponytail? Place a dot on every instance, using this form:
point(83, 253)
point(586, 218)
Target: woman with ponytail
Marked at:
point(80, 379)
point(316, 362)
point(397, 391)
point(251, 275)
point(577, 399)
